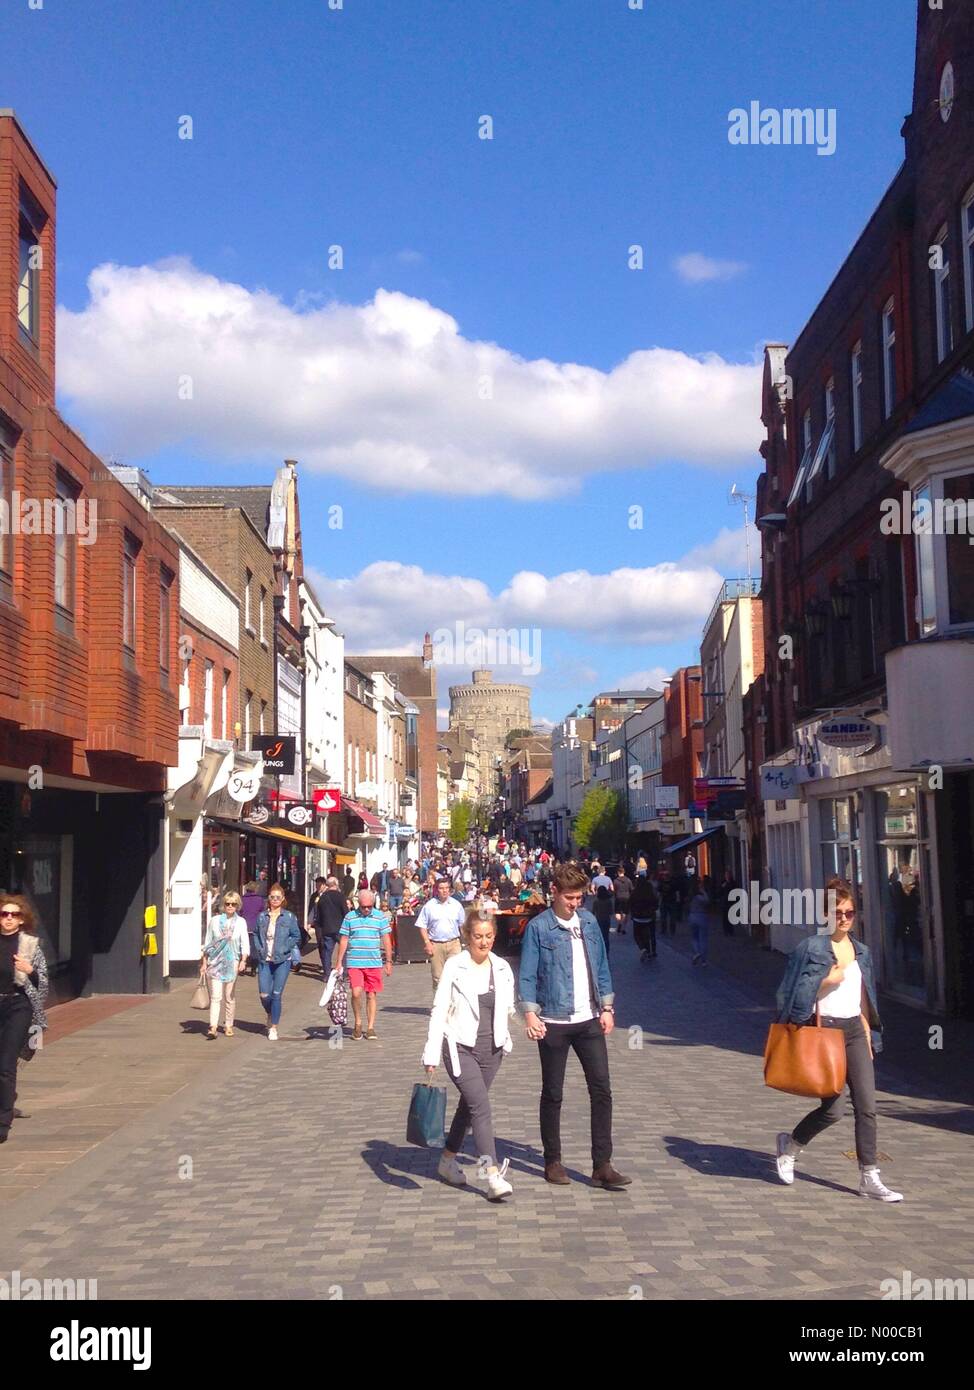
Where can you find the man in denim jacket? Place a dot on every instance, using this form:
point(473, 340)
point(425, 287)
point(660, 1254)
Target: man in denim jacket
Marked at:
point(566, 995)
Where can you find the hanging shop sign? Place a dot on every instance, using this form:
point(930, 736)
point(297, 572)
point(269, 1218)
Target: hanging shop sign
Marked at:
point(257, 815)
point(244, 784)
point(327, 800)
point(848, 731)
point(300, 814)
point(279, 752)
point(666, 798)
point(779, 783)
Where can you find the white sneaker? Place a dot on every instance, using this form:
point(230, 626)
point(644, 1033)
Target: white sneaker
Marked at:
point(872, 1185)
point(497, 1185)
point(785, 1160)
point(272, 1034)
point(450, 1171)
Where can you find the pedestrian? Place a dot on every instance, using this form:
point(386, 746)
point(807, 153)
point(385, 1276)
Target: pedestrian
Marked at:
point(622, 894)
point(642, 908)
point(330, 910)
point(23, 990)
point(364, 940)
point(379, 882)
point(728, 885)
point(469, 1031)
point(667, 902)
point(835, 973)
point(602, 909)
point(700, 909)
point(347, 885)
point(363, 882)
point(277, 935)
point(262, 883)
point(226, 951)
point(397, 889)
point(439, 923)
point(600, 879)
point(566, 993)
point(251, 906)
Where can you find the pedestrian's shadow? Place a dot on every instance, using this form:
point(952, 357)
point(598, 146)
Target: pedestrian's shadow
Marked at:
point(194, 1025)
point(384, 1159)
point(404, 1009)
point(726, 1161)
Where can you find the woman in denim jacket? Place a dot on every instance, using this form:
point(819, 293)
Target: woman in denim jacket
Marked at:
point(836, 974)
point(276, 936)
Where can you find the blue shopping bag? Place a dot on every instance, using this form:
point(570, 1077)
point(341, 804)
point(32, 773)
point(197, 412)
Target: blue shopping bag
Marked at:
point(426, 1125)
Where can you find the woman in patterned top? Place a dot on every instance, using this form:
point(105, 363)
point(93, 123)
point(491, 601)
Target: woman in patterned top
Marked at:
point(225, 953)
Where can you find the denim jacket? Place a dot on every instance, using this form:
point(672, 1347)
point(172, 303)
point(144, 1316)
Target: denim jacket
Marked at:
point(807, 967)
point(545, 980)
point(286, 936)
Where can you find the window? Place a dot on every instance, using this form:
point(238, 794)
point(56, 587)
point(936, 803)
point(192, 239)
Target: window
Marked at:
point(29, 270)
point(958, 551)
point(165, 621)
point(225, 705)
point(839, 839)
point(967, 232)
point(64, 553)
point(856, 369)
point(260, 616)
point(825, 453)
point(943, 522)
point(248, 580)
point(926, 584)
point(248, 696)
point(806, 460)
point(130, 559)
point(263, 717)
point(208, 700)
point(7, 441)
point(888, 332)
point(941, 300)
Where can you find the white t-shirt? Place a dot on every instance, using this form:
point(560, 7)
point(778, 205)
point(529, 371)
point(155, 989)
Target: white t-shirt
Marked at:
point(581, 990)
point(845, 1000)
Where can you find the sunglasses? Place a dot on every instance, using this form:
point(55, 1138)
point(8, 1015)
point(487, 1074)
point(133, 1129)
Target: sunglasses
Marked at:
point(5, 913)
point(846, 916)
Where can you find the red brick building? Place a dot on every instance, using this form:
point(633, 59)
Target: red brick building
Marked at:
point(872, 407)
point(88, 620)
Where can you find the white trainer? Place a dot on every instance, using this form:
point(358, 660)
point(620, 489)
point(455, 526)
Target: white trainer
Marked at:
point(872, 1185)
point(497, 1184)
point(272, 1034)
point(788, 1151)
point(450, 1171)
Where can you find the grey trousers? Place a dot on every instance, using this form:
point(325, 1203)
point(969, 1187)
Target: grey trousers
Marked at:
point(478, 1067)
point(862, 1087)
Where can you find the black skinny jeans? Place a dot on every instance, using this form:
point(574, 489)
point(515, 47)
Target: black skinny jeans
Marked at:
point(861, 1080)
point(587, 1041)
point(16, 1016)
point(644, 934)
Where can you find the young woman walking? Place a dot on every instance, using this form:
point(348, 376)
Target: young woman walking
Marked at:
point(470, 1032)
point(836, 973)
point(276, 937)
point(23, 990)
point(225, 953)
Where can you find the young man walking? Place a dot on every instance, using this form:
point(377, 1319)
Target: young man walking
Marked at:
point(566, 994)
point(439, 924)
point(365, 938)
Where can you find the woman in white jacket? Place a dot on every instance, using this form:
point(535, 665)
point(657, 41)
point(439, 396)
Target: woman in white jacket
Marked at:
point(470, 1031)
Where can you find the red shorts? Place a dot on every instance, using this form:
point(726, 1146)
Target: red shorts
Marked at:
point(368, 979)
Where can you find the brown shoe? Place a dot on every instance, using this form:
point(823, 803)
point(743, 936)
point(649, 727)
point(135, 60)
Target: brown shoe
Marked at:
point(606, 1176)
point(555, 1172)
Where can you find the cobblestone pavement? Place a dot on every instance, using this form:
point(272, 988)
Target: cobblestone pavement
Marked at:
point(281, 1170)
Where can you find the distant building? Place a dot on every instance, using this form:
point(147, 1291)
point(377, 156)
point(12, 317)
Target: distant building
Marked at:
point(491, 712)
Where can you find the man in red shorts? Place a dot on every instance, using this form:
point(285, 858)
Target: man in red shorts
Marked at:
point(364, 939)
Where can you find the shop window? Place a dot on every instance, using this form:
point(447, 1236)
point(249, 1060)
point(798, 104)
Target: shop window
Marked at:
point(839, 839)
point(901, 867)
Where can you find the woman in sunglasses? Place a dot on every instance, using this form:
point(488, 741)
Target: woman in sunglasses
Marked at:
point(23, 990)
point(835, 973)
point(276, 937)
point(225, 953)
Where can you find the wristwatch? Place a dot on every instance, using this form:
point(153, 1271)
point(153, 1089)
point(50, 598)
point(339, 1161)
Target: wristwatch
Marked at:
point(607, 1009)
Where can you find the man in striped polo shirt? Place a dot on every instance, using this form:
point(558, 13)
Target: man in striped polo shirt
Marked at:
point(364, 939)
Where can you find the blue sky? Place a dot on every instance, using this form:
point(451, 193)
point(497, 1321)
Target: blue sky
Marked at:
point(503, 261)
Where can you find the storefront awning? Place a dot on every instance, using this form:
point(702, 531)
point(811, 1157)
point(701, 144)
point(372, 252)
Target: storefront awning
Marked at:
point(694, 839)
point(371, 822)
point(271, 833)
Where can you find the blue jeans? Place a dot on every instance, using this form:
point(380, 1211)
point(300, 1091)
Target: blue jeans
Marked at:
point(701, 933)
point(395, 902)
point(326, 949)
point(271, 980)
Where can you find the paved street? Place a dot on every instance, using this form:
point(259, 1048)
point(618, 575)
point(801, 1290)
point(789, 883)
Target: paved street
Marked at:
point(302, 1185)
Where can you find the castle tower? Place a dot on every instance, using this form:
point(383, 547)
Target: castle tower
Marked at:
point(491, 712)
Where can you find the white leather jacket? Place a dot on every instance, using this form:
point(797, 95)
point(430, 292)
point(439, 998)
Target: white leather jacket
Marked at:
point(456, 1009)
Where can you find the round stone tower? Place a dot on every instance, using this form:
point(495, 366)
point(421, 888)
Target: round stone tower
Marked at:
point(491, 712)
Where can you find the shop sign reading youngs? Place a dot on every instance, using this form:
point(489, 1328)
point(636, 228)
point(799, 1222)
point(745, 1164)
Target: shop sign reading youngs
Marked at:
point(848, 731)
point(279, 752)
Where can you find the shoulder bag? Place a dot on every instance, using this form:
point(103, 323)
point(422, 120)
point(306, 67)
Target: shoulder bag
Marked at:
point(805, 1059)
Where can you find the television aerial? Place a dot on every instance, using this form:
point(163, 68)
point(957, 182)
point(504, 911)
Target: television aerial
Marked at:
point(737, 495)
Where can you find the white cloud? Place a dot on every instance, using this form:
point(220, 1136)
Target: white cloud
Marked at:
point(407, 256)
point(697, 269)
point(388, 393)
point(645, 680)
point(727, 552)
